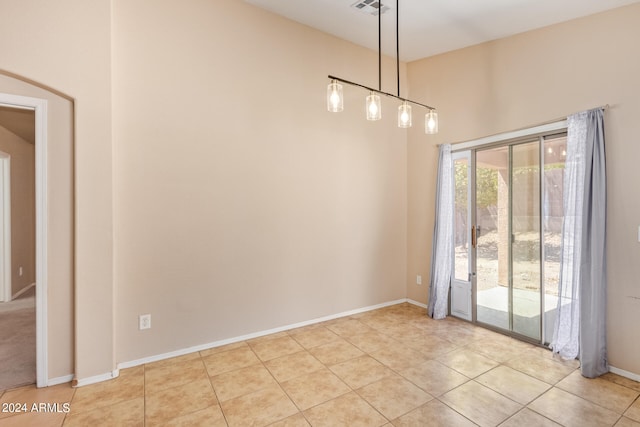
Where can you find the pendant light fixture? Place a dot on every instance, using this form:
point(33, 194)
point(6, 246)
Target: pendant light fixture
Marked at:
point(431, 122)
point(373, 106)
point(404, 115)
point(335, 98)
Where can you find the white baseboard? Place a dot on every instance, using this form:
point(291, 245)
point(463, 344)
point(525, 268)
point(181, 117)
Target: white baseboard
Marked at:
point(419, 304)
point(623, 373)
point(214, 344)
point(97, 378)
point(22, 291)
point(59, 380)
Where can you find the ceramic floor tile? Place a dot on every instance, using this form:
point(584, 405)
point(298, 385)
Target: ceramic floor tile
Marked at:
point(268, 337)
point(260, 408)
point(399, 357)
point(297, 420)
point(347, 410)
point(165, 405)
point(220, 363)
point(348, 327)
point(599, 391)
point(620, 380)
point(371, 341)
point(314, 337)
point(29, 395)
point(513, 384)
point(129, 385)
point(496, 350)
point(33, 419)
point(361, 371)
point(467, 362)
point(480, 404)
point(270, 349)
point(434, 413)
point(433, 377)
point(627, 422)
point(162, 376)
point(242, 381)
point(544, 369)
point(436, 347)
point(336, 352)
point(314, 388)
point(393, 396)
point(128, 413)
point(634, 411)
point(224, 348)
point(210, 417)
point(377, 321)
point(293, 365)
point(460, 334)
point(528, 418)
point(174, 360)
point(570, 410)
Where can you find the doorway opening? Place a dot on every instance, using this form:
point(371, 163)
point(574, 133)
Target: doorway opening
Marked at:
point(17, 247)
point(23, 139)
point(508, 225)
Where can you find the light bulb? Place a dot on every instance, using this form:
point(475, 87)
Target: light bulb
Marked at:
point(564, 152)
point(334, 97)
point(550, 150)
point(404, 115)
point(431, 122)
point(374, 110)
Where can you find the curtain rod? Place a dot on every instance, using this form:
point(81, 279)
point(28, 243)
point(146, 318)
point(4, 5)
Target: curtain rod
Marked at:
point(602, 107)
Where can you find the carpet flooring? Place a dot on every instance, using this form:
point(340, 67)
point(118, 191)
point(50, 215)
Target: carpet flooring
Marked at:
point(18, 341)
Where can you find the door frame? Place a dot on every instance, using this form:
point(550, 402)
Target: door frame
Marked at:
point(462, 294)
point(5, 228)
point(39, 106)
point(502, 139)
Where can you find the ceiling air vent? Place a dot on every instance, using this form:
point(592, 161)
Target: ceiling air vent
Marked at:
point(370, 7)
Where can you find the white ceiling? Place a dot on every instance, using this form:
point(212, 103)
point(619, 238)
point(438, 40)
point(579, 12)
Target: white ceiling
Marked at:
point(429, 27)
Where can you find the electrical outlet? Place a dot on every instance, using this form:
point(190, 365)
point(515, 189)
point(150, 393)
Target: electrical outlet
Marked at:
point(418, 280)
point(19, 271)
point(144, 321)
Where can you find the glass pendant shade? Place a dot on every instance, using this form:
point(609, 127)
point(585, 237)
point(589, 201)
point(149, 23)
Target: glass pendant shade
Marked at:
point(335, 99)
point(404, 115)
point(374, 108)
point(431, 122)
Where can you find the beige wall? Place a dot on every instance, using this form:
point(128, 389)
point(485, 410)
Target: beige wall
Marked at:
point(66, 45)
point(23, 209)
point(525, 80)
point(60, 223)
point(241, 203)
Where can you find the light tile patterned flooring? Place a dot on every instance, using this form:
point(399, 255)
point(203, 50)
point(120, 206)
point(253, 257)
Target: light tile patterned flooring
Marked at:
point(393, 367)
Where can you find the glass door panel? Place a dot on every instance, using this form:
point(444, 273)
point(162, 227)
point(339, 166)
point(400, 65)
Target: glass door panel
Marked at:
point(492, 237)
point(525, 239)
point(461, 283)
point(555, 153)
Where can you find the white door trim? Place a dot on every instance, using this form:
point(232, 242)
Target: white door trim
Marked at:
point(39, 106)
point(5, 226)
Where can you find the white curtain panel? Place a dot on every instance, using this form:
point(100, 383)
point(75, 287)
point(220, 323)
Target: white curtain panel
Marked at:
point(580, 329)
point(442, 246)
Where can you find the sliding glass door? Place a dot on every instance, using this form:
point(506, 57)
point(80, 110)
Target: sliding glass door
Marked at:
point(516, 224)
